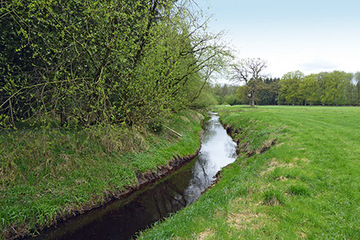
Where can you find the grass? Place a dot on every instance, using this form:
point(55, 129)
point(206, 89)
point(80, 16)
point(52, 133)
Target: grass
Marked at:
point(306, 186)
point(51, 173)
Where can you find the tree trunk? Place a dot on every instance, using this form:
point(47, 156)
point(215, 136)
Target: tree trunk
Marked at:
point(252, 99)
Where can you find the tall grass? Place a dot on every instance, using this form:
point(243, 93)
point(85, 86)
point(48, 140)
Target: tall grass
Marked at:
point(306, 186)
point(51, 173)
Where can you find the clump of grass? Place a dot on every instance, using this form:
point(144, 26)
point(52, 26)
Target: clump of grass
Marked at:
point(298, 189)
point(273, 197)
point(284, 172)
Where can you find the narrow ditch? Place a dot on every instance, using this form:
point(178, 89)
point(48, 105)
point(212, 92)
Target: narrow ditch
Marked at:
point(122, 219)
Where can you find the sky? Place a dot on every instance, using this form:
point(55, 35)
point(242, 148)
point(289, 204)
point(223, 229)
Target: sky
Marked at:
point(307, 35)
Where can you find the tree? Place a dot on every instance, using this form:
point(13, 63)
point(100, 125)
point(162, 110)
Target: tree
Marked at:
point(250, 72)
point(226, 94)
point(242, 94)
point(268, 91)
point(101, 61)
point(336, 90)
point(309, 89)
point(290, 87)
point(81, 55)
point(357, 84)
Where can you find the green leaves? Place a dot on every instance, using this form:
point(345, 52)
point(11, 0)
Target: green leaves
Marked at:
point(335, 88)
point(77, 60)
point(290, 84)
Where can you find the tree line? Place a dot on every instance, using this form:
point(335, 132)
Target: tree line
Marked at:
point(325, 88)
point(86, 62)
point(231, 94)
point(294, 88)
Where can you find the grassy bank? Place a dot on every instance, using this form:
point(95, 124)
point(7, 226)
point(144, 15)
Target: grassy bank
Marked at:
point(306, 186)
point(53, 173)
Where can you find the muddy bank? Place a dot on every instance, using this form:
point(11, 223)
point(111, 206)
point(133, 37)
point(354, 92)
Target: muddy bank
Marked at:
point(143, 180)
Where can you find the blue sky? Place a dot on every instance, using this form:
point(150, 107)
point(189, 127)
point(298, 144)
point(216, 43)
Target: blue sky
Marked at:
point(310, 36)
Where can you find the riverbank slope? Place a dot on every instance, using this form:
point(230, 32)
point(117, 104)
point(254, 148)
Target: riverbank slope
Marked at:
point(48, 175)
point(296, 178)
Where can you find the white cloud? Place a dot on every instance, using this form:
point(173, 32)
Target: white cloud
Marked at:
point(318, 65)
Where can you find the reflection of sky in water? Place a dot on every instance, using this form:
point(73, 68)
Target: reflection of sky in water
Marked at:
point(217, 150)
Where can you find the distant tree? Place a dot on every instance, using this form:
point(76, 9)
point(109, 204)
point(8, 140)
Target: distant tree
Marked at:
point(326, 88)
point(335, 88)
point(226, 94)
point(268, 91)
point(250, 72)
point(309, 89)
point(242, 94)
point(356, 80)
point(321, 80)
point(290, 87)
point(205, 99)
point(350, 91)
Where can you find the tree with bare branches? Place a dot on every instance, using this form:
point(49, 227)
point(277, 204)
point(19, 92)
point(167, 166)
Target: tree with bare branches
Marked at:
point(250, 72)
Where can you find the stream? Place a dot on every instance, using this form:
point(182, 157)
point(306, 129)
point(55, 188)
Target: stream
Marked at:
point(122, 219)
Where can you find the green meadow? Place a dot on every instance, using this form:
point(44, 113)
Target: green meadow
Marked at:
point(297, 177)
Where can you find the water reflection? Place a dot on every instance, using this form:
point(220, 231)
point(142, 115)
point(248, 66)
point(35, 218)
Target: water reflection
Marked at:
point(122, 219)
point(217, 150)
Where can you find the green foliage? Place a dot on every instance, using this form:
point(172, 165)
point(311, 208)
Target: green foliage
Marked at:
point(268, 92)
point(326, 88)
point(290, 87)
point(242, 94)
point(335, 88)
point(206, 99)
point(89, 63)
point(226, 94)
point(156, 127)
point(310, 89)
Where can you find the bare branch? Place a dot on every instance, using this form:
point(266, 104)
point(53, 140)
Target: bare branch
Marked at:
point(249, 70)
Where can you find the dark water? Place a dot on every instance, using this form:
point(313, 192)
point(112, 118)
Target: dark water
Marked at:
point(123, 218)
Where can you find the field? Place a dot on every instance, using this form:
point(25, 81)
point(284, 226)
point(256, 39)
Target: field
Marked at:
point(297, 177)
point(50, 174)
